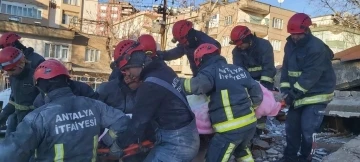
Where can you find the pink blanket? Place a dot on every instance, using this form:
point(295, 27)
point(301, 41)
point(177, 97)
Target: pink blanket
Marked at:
point(199, 105)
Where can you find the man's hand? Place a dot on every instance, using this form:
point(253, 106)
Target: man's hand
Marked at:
point(116, 151)
point(289, 98)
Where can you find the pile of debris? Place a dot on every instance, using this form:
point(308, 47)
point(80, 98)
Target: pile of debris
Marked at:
point(269, 145)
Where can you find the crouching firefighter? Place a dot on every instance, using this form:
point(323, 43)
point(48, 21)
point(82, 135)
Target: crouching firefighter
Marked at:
point(189, 39)
point(233, 97)
point(308, 82)
point(159, 99)
point(254, 54)
point(23, 91)
point(66, 128)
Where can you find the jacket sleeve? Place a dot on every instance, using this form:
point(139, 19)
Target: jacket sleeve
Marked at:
point(284, 79)
point(87, 91)
point(7, 111)
point(143, 112)
point(172, 54)
point(39, 101)
point(312, 70)
point(20, 145)
point(200, 84)
point(254, 91)
point(112, 118)
point(268, 68)
point(236, 58)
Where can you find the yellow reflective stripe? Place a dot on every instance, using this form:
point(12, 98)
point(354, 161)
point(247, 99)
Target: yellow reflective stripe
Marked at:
point(258, 68)
point(59, 152)
point(187, 85)
point(236, 123)
point(35, 154)
point(294, 73)
point(285, 85)
point(96, 138)
point(248, 157)
point(226, 104)
point(297, 86)
point(21, 107)
point(266, 78)
point(228, 152)
point(112, 134)
point(314, 99)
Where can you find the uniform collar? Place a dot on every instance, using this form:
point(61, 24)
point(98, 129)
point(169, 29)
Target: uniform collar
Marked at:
point(54, 94)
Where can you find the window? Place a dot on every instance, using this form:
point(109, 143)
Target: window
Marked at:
point(103, 14)
point(277, 23)
point(228, 20)
point(67, 19)
point(103, 7)
point(276, 45)
point(114, 8)
point(114, 15)
point(92, 55)
point(71, 2)
point(225, 41)
point(16, 10)
point(56, 51)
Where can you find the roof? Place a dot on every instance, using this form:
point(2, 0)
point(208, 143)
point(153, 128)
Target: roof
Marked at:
point(349, 54)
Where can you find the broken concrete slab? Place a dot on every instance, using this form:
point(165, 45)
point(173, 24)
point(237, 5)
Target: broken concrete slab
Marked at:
point(261, 144)
point(344, 107)
point(348, 152)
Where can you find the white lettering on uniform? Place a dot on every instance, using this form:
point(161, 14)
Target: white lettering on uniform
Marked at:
point(233, 74)
point(74, 121)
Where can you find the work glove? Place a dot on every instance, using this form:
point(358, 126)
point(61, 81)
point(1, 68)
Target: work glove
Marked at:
point(267, 85)
point(116, 151)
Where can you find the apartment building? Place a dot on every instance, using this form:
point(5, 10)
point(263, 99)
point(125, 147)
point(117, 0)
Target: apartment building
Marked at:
point(336, 36)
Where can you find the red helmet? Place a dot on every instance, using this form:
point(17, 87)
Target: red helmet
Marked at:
point(180, 30)
point(148, 44)
point(298, 23)
point(203, 50)
point(10, 57)
point(49, 69)
point(120, 49)
point(238, 33)
point(7, 39)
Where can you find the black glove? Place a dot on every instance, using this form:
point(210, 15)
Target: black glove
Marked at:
point(268, 85)
point(116, 151)
point(290, 98)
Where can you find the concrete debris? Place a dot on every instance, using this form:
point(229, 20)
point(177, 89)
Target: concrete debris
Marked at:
point(259, 154)
point(261, 144)
point(272, 151)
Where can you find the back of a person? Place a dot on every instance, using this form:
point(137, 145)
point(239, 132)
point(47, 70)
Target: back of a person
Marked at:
point(71, 130)
point(173, 113)
point(34, 58)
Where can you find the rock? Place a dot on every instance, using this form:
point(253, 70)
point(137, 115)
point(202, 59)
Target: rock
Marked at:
point(272, 151)
point(259, 154)
point(280, 156)
point(260, 143)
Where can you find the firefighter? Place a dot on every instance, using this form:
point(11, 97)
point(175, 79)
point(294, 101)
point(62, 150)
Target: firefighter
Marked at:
point(159, 100)
point(66, 128)
point(308, 82)
point(23, 91)
point(233, 97)
point(254, 54)
point(11, 39)
point(78, 88)
point(189, 39)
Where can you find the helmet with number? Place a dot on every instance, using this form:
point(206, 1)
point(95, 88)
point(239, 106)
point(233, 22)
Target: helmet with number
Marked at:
point(202, 50)
point(238, 34)
point(180, 30)
point(298, 23)
point(50, 69)
point(10, 57)
point(148, 44)
point(8, 39)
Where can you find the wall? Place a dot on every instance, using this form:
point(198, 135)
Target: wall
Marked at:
point(90, 13)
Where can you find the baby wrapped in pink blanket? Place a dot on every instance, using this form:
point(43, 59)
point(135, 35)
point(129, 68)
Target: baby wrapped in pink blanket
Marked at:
point(199, 105)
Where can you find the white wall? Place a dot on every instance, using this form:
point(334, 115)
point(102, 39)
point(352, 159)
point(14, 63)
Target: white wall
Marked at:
point(90, 13)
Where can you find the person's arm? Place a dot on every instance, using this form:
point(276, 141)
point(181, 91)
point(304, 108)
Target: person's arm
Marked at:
point(20, 145)
point(149, 96)
point(312, 70)
point(237, 58)
point(254, 91)
point(172, 54)
point(268, 68)
point(284, 79)
point(86, 90)
point(200, 84)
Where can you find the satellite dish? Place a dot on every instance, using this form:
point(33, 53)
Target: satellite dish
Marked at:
point(280, 1)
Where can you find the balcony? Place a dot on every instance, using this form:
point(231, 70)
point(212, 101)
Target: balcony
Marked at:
point(257, 24)
point(36, 30)
point(255, 7)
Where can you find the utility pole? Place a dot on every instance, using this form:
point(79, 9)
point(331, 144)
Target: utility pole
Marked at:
point(163, 27)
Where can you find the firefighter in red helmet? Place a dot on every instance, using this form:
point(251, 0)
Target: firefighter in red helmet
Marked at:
point(254, 54)
point(160, 101)
point(233, 95)
point(11, 39)
point(66, 128)
point(308, 83)
point(188, 40)
point(23, 91)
